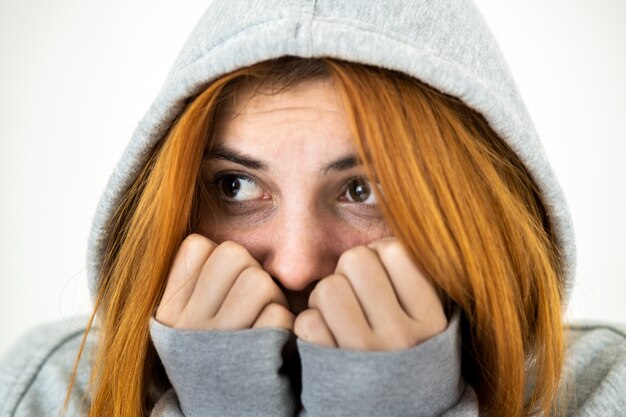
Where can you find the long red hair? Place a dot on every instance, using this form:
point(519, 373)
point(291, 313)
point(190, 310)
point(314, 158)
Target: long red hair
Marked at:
point(454, 193)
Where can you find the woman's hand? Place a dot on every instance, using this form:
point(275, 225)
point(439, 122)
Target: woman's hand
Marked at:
point(377, 300)
point(212, 286)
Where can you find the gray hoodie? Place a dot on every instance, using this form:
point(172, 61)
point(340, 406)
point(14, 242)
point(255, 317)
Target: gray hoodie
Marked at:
point(444, 43)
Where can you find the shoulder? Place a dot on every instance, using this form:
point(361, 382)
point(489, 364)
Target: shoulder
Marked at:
point(596, 368)
point(35, 373)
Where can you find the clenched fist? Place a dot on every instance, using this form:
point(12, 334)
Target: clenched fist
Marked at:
point(377, 300)
point(212, 286)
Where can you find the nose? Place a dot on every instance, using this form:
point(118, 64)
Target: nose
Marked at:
point(301, 250)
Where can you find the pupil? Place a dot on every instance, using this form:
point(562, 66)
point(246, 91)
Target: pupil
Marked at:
point(230, 186)
point(359, 191)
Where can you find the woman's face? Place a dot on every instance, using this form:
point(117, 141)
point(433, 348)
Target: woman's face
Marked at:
point(285, 171)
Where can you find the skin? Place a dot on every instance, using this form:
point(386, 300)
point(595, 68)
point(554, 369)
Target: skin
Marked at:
point(296, 245)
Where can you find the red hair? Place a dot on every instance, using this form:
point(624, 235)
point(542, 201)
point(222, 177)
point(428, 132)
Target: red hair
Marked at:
point(473, 222)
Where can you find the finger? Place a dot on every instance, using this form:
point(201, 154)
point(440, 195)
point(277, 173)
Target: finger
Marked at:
point(182, 277)
point(417, 296)
point(253, 290)
point(275, 315)
point(372, 286)
point(311, 327)
point(216, 279)
point(335, 299)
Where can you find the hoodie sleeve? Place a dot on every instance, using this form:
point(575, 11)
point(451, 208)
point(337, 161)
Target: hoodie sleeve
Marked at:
point(595, 371)
point(217, 373)
point(421, 381)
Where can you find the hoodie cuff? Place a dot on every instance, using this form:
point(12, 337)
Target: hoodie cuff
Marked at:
point(424, 380)
point(226, 373)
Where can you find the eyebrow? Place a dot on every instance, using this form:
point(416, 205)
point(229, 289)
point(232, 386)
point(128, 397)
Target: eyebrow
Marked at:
point(225, 153)
point(341, 164)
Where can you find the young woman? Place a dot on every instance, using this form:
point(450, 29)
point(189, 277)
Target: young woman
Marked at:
point(332, 208)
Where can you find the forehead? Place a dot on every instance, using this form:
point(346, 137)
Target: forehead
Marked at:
point(306, 118)
point(251, 97)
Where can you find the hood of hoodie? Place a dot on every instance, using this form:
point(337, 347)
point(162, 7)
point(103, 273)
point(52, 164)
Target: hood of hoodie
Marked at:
point(444, 43)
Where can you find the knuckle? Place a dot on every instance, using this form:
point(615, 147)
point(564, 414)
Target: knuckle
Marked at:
point(257, 279)
point(327, 287)
point(231, 250)
point(338, 283)
point(276, 313)
point(353, 256)
point(393, 250)
point(330, 288)
point(308, 322)
point(196, 243)
point(274, 310)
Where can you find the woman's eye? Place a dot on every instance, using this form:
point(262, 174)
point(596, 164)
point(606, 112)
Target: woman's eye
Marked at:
point(234, 187)
point(360, 191)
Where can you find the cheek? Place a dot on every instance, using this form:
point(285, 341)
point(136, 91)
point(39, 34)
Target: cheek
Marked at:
point(353, 228)
point(360, 232)
point(335, 234)
point(222, 230)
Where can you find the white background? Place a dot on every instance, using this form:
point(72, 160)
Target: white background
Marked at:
point(76, 76)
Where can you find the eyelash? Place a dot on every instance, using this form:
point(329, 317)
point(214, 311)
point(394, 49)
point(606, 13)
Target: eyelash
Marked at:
point(231, 204)
point(215, 183)
point(351, 181)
